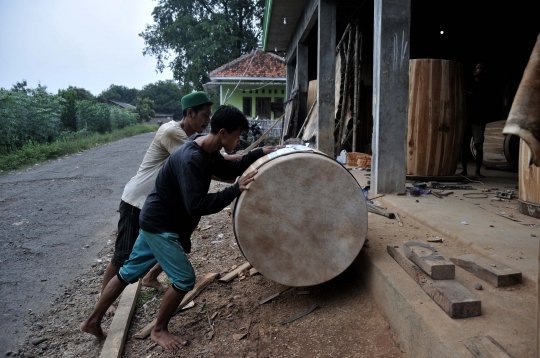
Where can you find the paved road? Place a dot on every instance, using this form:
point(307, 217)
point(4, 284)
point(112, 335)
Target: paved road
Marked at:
point(54, 218)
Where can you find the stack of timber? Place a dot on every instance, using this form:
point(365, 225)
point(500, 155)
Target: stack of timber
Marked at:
point(436, 116)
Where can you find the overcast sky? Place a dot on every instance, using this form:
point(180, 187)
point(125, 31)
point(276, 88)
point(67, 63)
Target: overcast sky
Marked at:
point(82, 43)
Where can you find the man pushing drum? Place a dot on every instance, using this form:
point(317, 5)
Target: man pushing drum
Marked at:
point(172, 211)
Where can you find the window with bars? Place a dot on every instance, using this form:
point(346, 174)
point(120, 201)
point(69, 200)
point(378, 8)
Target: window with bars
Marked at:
point(246, 106)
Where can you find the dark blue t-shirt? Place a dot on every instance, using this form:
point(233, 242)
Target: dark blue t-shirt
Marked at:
point(180, 196)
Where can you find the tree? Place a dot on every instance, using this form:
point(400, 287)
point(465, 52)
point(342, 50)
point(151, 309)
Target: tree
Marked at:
point(120, 94)
point(145, 108)
point(84, 94)
point(69, 109)
point(166, 95)
point(21, 87)
point(202, 34)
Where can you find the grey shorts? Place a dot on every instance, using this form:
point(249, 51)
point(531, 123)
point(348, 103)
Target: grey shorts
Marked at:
point(478, 133)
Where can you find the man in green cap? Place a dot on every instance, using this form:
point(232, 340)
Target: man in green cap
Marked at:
point(171, 135)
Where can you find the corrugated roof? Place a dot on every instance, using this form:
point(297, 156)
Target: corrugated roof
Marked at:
point(263, 65)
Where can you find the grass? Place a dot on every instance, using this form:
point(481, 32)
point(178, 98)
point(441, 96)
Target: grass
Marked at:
point(33, 153)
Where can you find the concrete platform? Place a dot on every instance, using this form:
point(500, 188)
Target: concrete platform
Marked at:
point(467, 225)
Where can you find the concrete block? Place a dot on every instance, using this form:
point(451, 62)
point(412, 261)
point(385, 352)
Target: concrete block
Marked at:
point(429, 260)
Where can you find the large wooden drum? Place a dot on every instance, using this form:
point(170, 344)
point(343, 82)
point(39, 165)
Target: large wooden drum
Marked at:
point(436, 116)
point(303, 220)
point(529, 183)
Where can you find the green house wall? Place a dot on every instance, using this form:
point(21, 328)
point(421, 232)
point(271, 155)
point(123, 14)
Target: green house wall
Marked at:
point(236, 99)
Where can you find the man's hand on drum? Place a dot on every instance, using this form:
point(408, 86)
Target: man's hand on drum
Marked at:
point(271, 148)
point(244, 181)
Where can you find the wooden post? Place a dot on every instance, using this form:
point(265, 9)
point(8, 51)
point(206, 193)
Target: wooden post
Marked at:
point(357, 74)
point(326, 69)
point(346, 91)
point(302, 80)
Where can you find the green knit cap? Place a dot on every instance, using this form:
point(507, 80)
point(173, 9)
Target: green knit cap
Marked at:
point(194, 99)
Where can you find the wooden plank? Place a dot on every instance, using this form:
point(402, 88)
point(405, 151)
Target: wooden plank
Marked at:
point(489, 270)
point(429, 260)
point(485, 347)
point(271, 297)
point(114, 344)
point(208, 278)
point(231, 275)
point(454, 299)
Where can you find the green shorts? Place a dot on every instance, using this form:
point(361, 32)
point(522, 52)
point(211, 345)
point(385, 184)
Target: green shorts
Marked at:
point(163, 248)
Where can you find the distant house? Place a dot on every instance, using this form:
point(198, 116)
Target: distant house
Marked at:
point(121, 104)
point(254, 83)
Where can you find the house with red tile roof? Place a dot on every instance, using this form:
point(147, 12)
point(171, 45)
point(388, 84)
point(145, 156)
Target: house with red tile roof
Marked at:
point(254, 83)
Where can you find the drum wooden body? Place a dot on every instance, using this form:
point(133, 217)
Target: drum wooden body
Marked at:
point(436, 116)
point(499, 149)
point(303, 220)
point(529, 183)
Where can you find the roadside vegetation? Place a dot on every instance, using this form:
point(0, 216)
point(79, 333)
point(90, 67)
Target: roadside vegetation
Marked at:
point(36, 126)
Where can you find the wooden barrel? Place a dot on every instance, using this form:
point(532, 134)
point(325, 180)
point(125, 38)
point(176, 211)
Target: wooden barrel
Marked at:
point(437, 104)
point(529, 183)
point(499, 149)
point(303, 220)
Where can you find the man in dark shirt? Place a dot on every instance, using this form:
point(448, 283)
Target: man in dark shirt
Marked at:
point(172, 211)
point(480, 109)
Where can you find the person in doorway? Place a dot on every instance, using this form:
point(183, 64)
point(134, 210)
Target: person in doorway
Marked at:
point(171, 135)
point(479, 109)
point(173, 210)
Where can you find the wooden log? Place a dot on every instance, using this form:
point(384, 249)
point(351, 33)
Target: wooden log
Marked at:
point(208, 278)
point(489, 270)
point(529, 183)
point(431, 261)
point(114, 344)
point(454, 299)
point(485, 347)
point(231, 275)
point(436, 116)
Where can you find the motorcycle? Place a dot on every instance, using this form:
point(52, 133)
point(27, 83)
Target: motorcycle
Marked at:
point(244, 142)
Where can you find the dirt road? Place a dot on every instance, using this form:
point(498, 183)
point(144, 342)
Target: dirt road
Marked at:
point(54, 218)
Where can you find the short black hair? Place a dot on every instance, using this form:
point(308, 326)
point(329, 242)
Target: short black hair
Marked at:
point(195, 109)
point(230, 118)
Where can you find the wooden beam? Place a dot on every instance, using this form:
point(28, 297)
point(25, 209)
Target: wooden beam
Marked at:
point(430, 260)
point(485, 347)
point(208, 278)
point(305, 23)
point(489, 270)
point(114, 344)
point(454, 299)
point(231, 275)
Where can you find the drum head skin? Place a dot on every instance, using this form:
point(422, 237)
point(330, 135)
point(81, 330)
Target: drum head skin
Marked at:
point(303, 220)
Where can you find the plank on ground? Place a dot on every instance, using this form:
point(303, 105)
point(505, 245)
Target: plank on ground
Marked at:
point(454, 299)
point(485, 347)
point(114, 344)
point(429, 260)
point(231, 275)
point(489, 270)
point(208, 278)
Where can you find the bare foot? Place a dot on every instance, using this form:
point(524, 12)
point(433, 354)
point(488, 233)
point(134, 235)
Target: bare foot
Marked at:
point(154, 283)
point(110, 311)
point(94, 329)
point(168, 341)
